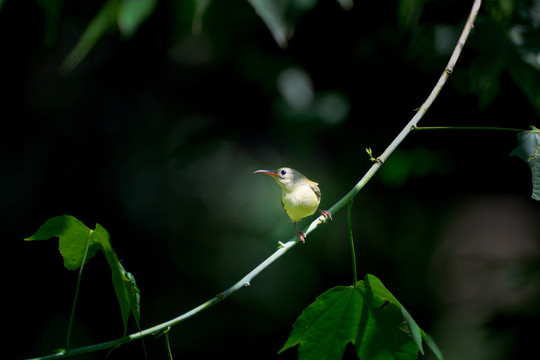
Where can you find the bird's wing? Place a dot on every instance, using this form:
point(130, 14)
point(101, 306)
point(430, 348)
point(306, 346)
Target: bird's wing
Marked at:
point(315, 188)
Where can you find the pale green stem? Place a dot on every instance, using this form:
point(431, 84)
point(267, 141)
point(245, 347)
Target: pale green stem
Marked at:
point(351, 239)
point(467, 128)
point(70, 324)
point(169, 352)
point(284, 247)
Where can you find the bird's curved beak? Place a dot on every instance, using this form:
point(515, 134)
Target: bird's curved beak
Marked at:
point(267, 172)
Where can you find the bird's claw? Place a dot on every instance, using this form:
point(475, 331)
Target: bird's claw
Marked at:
point(301, 235)
point(327, 214)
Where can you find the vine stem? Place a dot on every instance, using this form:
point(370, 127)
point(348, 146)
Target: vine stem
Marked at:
point(285, 247)
point(351, 239)
point(70, 324)
point(467, 128)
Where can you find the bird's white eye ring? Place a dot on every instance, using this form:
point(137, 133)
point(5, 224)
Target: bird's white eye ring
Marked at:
point(283, 172)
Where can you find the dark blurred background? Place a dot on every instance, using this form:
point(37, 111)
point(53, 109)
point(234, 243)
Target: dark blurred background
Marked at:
point(155, 136)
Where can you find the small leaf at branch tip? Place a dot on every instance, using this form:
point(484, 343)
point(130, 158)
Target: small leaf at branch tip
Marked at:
point(370, 153)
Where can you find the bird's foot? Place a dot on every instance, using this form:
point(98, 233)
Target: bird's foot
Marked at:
point(327, 214)
point(301, 235)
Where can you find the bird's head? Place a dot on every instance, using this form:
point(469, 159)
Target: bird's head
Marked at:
point(285, 176)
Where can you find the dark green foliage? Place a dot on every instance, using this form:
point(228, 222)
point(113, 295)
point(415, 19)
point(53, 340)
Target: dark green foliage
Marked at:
point(78, 243)
point(368, 316)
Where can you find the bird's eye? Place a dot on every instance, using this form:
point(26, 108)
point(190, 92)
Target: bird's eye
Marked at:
point(283, 172)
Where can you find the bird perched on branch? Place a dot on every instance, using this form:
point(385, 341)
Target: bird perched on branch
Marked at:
point(300, 197)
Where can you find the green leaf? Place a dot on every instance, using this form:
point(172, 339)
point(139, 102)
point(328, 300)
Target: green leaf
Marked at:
point(432, 345)
point(528, 150)
point(124, 284)
point(132, 14)
point(273, 15)
point(100, 24)
point(327, 325)
point(74, 237)
point(368, 316)
point(199, 10)
point(53, 12)
point(391, 333)
point(281, 16)
point(128, 15)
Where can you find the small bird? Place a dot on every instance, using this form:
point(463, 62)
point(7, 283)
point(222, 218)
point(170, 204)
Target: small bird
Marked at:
point(300, 197)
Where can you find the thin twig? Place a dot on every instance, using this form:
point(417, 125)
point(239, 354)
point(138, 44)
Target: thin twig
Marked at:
point(467, 128)
point(284, 247)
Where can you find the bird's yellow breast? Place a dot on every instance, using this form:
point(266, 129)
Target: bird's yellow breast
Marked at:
point(300, 202)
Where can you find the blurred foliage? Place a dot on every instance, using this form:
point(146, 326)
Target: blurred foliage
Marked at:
point(528, 149)
point(161, 121)
point(507, 42)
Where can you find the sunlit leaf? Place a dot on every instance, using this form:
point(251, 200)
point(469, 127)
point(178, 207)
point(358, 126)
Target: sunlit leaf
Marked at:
point(132, 13)
point(127, 15)
point(100, 24)
point(74, 238)
point(528, 151)
point(124, 282)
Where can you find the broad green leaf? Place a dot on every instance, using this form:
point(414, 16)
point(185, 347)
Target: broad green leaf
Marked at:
point(391, 315)
point(328, 325)
point(73, 236)
point(528, 150)
point(368, 316)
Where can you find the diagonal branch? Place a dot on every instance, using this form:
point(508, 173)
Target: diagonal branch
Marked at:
point(284, 247)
